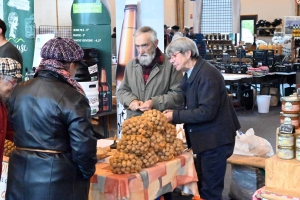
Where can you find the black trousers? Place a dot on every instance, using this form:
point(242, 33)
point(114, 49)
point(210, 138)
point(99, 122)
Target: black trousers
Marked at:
point(211, 167)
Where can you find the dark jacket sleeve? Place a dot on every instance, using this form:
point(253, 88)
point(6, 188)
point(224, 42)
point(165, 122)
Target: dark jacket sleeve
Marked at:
point(9, 132)
point(82, 140)
point(206, 95)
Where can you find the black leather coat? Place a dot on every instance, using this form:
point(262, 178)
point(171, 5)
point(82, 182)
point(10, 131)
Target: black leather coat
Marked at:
point(48, 113)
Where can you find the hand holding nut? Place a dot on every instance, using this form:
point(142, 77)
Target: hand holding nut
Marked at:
point(134, 105)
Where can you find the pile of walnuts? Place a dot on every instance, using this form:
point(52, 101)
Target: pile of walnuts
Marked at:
point(167, 153)
point(158, 119)
point(137, 126)
point(123, 163)
point(149, 159)
point(136, 144)
point(146, 140)
point(157, 142)
point(178, 147)
point(9, 146)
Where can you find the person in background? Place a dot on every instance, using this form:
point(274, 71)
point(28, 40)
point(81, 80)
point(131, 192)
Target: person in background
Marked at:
point(10, 70)
point(169, 30)
point(55, 153)
point(113, 42)
point(177, 33)
point(150, 81)
point(192, 34)
point(114, 33)
point(186, 32)
point(210, 121)
point(8, 50)
point(167, 37)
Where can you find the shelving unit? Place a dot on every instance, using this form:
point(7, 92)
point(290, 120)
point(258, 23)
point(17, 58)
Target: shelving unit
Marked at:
point(268, 29)
point(217, 48)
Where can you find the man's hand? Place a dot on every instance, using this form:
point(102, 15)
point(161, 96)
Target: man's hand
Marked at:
point(169, 115)
point(146, 106)
point(134, 105)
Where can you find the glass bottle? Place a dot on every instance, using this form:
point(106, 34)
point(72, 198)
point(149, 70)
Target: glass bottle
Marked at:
point(253, 47)
point(126, 48)
point(105, 95)
point(275, 48)
point(270, 46)
point(279, 49)
point(294, 31)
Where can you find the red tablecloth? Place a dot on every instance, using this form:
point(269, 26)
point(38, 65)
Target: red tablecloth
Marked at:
point(148, 184)
point(262, 193)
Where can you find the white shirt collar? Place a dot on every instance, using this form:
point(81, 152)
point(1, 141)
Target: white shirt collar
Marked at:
point(189, 72)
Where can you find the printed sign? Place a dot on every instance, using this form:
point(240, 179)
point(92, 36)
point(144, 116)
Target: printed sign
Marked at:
point(291, 22)
point(87, 8)
point(40, 40)
point(1, 9)
point(19, 19)
point(287, 128)
point(19, 4)
point(3, 179)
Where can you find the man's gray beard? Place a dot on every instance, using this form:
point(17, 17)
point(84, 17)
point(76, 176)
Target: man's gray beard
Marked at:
point(146, 59)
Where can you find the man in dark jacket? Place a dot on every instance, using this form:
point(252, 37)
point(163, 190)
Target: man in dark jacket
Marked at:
point(55, 152)
point(210, 122)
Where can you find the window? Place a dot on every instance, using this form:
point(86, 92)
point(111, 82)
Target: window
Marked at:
point(216, 16)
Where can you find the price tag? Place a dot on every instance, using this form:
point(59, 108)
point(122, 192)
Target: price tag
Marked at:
point(287, 128)
point(93, 69)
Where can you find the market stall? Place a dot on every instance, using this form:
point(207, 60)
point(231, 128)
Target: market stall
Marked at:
point(149, 183)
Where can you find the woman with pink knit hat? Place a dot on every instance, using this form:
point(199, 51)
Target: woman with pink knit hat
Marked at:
point(55, 153)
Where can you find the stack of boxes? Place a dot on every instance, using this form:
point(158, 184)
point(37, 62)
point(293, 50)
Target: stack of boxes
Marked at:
point(283, 170)
point(263, 58)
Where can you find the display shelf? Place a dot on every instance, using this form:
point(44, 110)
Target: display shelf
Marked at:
point(217, 47)
point(271, 27)
point(267, 31)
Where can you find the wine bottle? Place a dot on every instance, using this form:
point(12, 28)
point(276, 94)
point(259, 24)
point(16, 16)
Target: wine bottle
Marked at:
point(126, 48)
point(100, 90)
point(253, 47)
point(279, 49)
point(105, 95)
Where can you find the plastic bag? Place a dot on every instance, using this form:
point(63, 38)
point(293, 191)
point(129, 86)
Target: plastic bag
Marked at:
point(180, 132)
point(249, 144)
point(245, 181)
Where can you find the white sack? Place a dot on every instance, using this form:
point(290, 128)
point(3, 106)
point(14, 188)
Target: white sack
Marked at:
point(249, 144)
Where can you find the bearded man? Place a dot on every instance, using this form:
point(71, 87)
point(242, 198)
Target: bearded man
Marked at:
point(150, 80)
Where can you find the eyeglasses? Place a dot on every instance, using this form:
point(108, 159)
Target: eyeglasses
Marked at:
point(13, 81)
point(174, 56)
point(143, 46)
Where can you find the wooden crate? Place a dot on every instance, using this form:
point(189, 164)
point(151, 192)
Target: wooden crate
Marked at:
point(283, 176)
